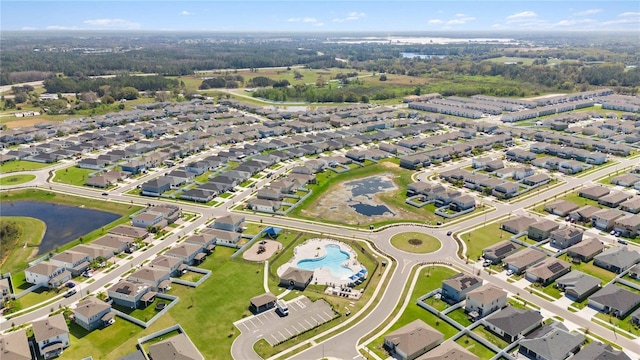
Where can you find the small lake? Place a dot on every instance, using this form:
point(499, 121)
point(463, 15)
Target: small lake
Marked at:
point(366, 188)
point(64, 223)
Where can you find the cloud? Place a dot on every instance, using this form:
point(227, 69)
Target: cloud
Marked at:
point(460, 19)
point(62, 27)
point(304, 20)
point(352, 16)
point(113, 24)
point(588, 12)
point(185, 13)
point(629, 14)
point(28, 28)
point(319, 24)
point(435, 21)
point(521, 16)
point(573, 22)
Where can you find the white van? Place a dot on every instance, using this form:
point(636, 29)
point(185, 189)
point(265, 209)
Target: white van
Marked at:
point(282, 308)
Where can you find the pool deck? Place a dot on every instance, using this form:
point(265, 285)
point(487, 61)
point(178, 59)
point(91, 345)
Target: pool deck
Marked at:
point(315, 248)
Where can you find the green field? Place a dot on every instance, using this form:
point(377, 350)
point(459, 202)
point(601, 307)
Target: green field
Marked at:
point(208, 304)
point(16, 255)
point(73, 175)
point(429, 279)
point(16, 179)
point(21, 165)
point(483, 237)
point(416, 242)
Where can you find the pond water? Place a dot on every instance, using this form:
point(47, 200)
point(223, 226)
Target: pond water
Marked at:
point(366, 188)
point(64, 223)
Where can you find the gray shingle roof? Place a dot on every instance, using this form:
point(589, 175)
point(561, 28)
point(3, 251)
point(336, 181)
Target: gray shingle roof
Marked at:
point(616, 298)
point(553, 342)
point(513, 321)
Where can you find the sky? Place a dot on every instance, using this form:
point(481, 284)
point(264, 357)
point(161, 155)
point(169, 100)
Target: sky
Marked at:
point(320, 15)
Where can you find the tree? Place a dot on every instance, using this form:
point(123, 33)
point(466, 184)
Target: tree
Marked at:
point(129, 93)
point(383, 77)
point(9, 104)
point(297, 75)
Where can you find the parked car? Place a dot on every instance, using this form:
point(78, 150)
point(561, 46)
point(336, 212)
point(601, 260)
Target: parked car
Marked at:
point(613, 232)
point(623, 242)
point(70, 293)
point(509, 272)
point(105, 193)
point(70, 284)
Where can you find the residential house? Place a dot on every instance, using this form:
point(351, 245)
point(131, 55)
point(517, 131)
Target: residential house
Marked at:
point(412, 340)
point(156, 278)
point(93, 252)
point(463, 202)
point(262, 205)
point(635, 317)
point(47, 274)
point(542, 229)
point(627, 226)
point(561, 208)
point(626, 180)
point(485, 300)
point(172, 264)
point(512, 323)
point(130, 293)
point(156, 187)
point(198, 195)
point(15, 346)
point(205, 240)
point(615, 300)
point(617, 259)
point(536, 180)
point(599, 351)
point(225, 238)
point(565, 237)
point(613, 199)
point(262, 303)
point(129, 231)
point(605, 218)
point(455, 288)
point(585, 250)
point(594, 192)
point(499, 251)
point(520, 261)
point(186, 252)
point(547, 271)
point(632, 205)
point(584, 214)
point(517, 225)
point(231, 222)
point(505, 190)
point(552, 342)
point(5, 291)
point(296, 278)
point(92, 314)
point(75, 262)
point(149, 219)
point(521, 173)
point(176, 347)
point(51, 336)
point(578, 285)
point(449, 350)
point(114, 243)
point(635, 272)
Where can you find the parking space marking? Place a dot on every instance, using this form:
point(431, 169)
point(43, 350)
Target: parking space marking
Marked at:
point(308, 323)
point(258, 318)
point(287, 330)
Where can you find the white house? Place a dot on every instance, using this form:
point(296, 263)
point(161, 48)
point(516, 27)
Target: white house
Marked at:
point(51, 336)
point(47, 274)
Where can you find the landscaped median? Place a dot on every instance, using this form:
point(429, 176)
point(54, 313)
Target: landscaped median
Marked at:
point(415, 242)
point(11, 180)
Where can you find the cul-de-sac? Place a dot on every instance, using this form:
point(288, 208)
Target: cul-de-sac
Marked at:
point(330, 180)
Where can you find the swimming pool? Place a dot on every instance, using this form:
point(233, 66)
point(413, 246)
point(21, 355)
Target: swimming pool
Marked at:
point(333, 261)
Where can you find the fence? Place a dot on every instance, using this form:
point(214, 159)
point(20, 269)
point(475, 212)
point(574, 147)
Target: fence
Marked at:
point(146, 324)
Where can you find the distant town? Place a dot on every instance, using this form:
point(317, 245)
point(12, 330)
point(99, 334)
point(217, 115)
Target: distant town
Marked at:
point(348, 210)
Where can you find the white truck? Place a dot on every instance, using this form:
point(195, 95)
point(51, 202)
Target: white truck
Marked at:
point(282, 308)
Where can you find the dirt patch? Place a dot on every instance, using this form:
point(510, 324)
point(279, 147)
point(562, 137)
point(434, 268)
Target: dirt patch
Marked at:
point(261, 250)
point(389, 164)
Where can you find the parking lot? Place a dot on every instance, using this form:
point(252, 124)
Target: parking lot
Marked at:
point(303, 315)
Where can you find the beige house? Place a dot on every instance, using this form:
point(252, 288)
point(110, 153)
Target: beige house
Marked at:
point(485, 300)
point(412, 340)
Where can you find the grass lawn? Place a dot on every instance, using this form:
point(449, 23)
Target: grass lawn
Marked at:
point(624, 324)
point(73, 175)
point(552, 291)
point(16, 179)
point(191, 276)
point(590, 269)
point(15, 255)
point(475, 347)
point(493, 338)
point(415, 242)
point(252, 228)
point(543, 294)
point(209, 303)
point(142, 314)
point(38, 296)
point(460, 317)
point(423, 285)
point(483, 237)
point(21, 165)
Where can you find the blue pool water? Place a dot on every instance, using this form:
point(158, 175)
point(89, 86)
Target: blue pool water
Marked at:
point(333, 260)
